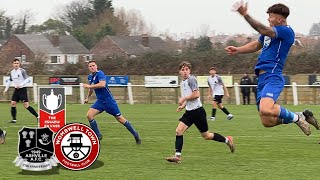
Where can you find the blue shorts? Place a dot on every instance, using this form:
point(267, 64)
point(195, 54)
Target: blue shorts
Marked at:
point(110, 107)
point(269, 85)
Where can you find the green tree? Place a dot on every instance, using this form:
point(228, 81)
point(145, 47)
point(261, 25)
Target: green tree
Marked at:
point(8, 28)
point(85, 38)
point(89, 21)
point(203, 44)
point(50, 26)
point(100, 6)
point(232, 43)
point(103, 31)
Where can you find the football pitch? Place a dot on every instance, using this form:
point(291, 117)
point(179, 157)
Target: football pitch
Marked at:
point(282, 152)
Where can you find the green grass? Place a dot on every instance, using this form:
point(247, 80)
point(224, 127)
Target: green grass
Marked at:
point(282, 152)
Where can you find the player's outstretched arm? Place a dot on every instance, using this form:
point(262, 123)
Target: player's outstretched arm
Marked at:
point(248, 48)
point(242, 9)
point(262, 29)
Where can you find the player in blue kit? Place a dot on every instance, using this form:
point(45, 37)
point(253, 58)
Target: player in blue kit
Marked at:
point(105, 101)
point(275, 42)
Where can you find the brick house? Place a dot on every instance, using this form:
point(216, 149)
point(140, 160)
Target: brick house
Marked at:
point(55, 49)
point(127, 46)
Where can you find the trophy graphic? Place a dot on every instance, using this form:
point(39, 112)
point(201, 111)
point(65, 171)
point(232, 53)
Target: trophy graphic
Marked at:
point(52, 101)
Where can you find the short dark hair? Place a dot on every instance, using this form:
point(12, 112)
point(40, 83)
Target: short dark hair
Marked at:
point(92, 61)
point(184, 64)
point(14, 60)
point(281, 9)
point(212, 68)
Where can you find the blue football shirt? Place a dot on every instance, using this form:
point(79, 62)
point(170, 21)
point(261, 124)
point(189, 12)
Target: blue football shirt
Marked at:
point(275, 50)
point(103, 94)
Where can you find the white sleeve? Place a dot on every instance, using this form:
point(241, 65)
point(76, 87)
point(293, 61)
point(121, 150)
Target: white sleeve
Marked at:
point(8, 82)
point(25, 82)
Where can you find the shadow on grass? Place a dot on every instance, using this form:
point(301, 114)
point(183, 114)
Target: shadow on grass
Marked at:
point(55, 170)
point(95, 165)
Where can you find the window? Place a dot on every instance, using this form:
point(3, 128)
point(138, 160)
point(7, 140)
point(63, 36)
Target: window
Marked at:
point(23, 58)
point(73, 59)
point(87, 58)
point(55, 59)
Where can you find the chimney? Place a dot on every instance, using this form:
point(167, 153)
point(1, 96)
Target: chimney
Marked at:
point(55, 40)
point(145, 40)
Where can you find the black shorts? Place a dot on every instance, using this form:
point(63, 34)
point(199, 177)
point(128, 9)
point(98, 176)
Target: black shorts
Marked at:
point(197, 117)
point(218, 98)
point(20, 95)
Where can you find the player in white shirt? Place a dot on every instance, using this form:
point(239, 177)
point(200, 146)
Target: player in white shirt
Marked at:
point(194, 114)
point(20, 79)
point(216, 91)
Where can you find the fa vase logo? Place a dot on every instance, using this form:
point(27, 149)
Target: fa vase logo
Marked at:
point(52, 101)
point(35, 148)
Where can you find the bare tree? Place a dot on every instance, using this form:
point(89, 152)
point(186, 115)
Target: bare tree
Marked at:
point(23, 21)
point(6, 25)
point(204, 29)
point(77, 13)
point(38, 64)
point(136, 23)
point(2, 24)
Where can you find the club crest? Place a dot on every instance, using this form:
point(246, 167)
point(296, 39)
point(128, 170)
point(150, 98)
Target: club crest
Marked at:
point(76, 146)
point(35, 149)
point(266, 42)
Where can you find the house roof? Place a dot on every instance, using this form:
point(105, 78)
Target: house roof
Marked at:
point(42, 43)
point(70, 45)
point(132, 45)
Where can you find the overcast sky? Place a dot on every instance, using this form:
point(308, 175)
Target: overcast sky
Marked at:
point(187, 16)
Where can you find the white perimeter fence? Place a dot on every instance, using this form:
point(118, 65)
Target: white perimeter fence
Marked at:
point(129, 94)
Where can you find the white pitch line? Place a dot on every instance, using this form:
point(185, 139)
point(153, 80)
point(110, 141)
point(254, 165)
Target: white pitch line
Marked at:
point(99, 122)
point(199, 137)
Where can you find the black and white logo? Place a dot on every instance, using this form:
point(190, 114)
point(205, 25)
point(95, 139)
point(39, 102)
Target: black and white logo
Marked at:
point(35, 149)
point(75, 150)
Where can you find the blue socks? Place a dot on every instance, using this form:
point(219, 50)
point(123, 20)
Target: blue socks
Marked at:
point(94, 127)
point(127, 124)
point(286, 115)
point(130, 128)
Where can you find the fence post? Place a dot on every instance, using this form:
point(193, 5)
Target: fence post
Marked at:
point(35, 93)
point(130, 94)
point(295, 93)
point(81, 93)
point(237, 93)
